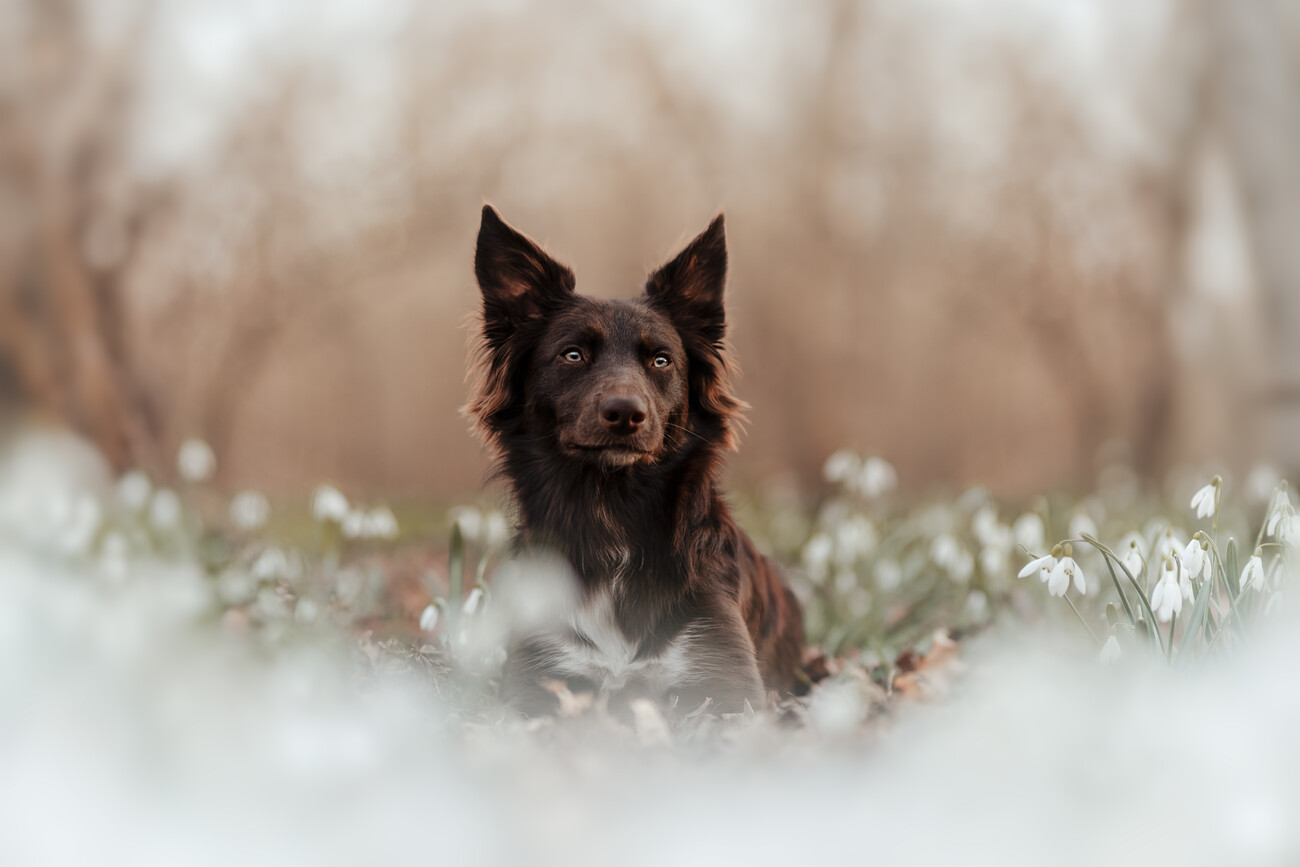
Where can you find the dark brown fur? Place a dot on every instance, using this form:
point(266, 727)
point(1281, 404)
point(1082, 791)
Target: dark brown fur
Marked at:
point(610, 419)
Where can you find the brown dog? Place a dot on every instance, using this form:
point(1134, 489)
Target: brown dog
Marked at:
point(610, 419)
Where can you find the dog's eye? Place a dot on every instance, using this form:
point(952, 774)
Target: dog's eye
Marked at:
point(661, 360)
point(573, 354)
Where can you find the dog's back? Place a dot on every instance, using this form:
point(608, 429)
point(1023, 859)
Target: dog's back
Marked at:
point(610, 419)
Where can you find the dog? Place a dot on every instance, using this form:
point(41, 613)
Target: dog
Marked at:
point(609, 420)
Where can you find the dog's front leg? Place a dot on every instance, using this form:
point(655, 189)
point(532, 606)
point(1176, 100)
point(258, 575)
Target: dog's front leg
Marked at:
point(723, 666)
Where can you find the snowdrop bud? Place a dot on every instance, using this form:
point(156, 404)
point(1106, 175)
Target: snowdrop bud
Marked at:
point(1253, 574)
point(473, 601)
point(1167, 598)
point(1133, 554)
point(329, 504)
point(429, 618)
point(249, 510)
point(196, 461)
point(1204, 501)
point(1110, 651)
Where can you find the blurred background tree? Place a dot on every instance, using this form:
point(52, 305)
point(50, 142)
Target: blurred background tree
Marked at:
point(982, 242)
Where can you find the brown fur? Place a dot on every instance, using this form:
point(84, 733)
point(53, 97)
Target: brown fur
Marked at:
point(609, 419)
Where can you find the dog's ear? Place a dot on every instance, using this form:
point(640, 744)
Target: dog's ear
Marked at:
point(519, 282)
point(689, 291)
point(689, 288)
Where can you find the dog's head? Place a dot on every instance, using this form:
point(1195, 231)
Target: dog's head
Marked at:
point(611, 383)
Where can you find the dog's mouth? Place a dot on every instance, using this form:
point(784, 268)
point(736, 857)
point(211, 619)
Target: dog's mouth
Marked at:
point(610, 454)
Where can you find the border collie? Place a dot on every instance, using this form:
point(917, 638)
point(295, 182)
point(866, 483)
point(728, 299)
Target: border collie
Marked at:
point(609, 419)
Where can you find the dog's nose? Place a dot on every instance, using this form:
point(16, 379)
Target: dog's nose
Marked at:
point(622, 414)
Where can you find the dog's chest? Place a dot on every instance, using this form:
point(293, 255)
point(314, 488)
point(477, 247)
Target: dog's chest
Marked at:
point(595, 648)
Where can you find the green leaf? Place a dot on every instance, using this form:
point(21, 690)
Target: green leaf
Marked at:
point(1233, 575)
point(456, 566)
point(1197, 620)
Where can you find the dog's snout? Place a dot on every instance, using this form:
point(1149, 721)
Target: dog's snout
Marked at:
point(622, 413)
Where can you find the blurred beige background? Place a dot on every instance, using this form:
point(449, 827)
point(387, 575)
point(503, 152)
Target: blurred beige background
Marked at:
point(982, 240)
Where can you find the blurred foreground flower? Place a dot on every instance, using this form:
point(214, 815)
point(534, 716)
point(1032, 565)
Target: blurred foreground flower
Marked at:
point(1110, 651)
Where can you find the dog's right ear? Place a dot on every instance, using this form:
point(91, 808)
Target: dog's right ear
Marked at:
point(519, 282)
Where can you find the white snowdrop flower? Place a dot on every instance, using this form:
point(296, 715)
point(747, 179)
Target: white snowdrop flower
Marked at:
point(1042, 566)
point(1279, 511)
point(1029, 531)
point(841, 466)
point(877, 477)
point(82, 525)
point(470, 521)
point(1167, 598)
point(249, 510)
point(1204, 500)
point(1253, 574)
point(270, 565)
point(1133, 552)
point(134, 490)
point(165, 510)
point(1110, 651)
point(380, 523)
point(817, 555)
point(473, 601)
point(1198, 560)
point(329, 504)
point(889, 575)
point(1082, 525)
point(854, 538)
point(498, 531)
point(1063, 574)
point(429, 618)
point(196, 461)
point(353, 525)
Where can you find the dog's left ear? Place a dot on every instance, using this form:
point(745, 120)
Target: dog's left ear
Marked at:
point(519, 282)
point(690, 287)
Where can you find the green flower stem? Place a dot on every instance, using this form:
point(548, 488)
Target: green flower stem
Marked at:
point(1142, 597)
point(1081, 620)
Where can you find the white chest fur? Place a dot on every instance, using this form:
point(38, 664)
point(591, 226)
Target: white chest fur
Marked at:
point(598, 651)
